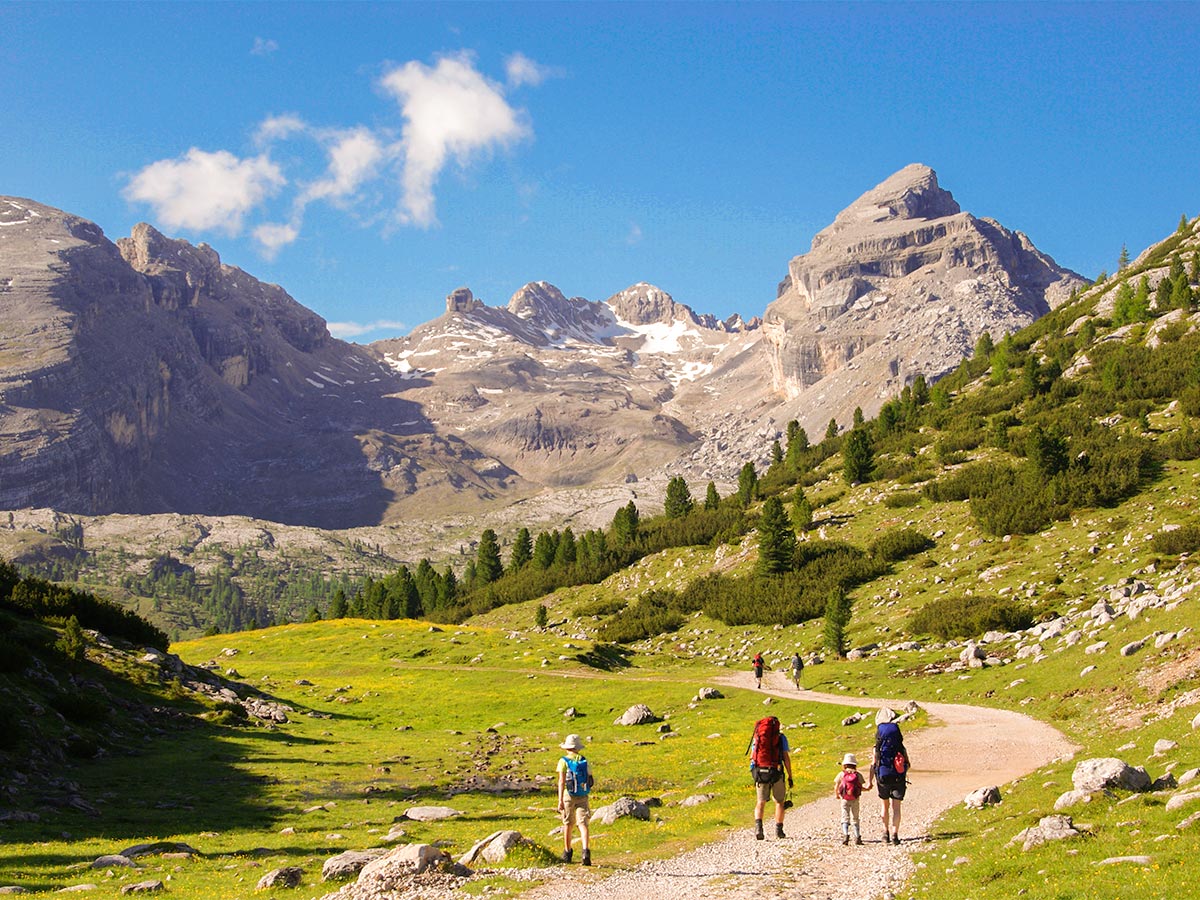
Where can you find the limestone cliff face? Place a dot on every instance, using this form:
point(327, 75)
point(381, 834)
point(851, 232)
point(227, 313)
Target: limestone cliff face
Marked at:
point(147, 376)
point(901, 283)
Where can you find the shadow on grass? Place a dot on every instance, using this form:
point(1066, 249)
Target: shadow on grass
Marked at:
point(607, 657)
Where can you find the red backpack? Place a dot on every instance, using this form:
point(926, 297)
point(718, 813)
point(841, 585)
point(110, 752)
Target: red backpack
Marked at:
point(849, 786)
point(768, 745)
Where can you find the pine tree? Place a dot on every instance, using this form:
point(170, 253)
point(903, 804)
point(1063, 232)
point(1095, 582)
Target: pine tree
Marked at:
point(1181, 293)
point(1183, 224)
point(831, 431)
point(566, 551)
point(1162, 296)
point(487, 558)
point(522, 551)
point(712, 500)
point(338, 606)
point(858, 456)
point(1123, 259)
point(802, 511)
point(679, 499)
point(776, 453)
point(1194, 271)
point(837, 617)
point(625, 524)
point(797, 443)
point(776, 539)
point(984, 346)
point(542, 616)
point(543, 550)
point(747, 484)
point(858, 417)
point(71, 643)
point(314, 615)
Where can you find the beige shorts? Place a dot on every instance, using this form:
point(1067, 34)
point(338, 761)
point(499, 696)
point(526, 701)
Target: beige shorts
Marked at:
point(576, 809)
point(776, 791)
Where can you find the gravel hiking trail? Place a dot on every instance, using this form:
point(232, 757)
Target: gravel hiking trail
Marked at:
point(811, 863)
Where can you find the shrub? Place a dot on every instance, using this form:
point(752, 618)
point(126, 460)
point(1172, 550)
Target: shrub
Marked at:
point(960, 617)
point(899, 543)
point(1180, 540)
point(603, 607)
point(655, 613)
point(901, 499)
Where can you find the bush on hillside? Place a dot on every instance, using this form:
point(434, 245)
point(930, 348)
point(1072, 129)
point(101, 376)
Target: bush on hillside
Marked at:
point(654, 613)
point(602, 607)
point(898, 544)
point(1180, 540)
point(901, 499)
point(962, 617)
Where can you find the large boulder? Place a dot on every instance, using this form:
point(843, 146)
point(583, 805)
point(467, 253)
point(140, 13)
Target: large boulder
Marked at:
point(349, 863)
point(710, 693)
point(1049, 828)
point(638, 714)
point(431, 813)
point(622, 808)
point(287, 877)
point(392, 874)
point(981, 797)
point(494, 848)
point(1109, 772)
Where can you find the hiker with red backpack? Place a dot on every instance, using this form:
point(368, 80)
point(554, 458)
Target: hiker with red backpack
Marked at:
point(757, 662)
point(848, 787)
point(889, 766)
point(770, 758)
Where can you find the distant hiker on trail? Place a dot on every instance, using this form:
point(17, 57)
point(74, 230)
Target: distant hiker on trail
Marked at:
point(770, 757)
point(797, 669)
point(758, 667)
point(848, 787)
point(574, 784)
point(889, 768)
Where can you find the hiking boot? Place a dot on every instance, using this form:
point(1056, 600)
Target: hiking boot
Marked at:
point(887, 837)
point(896, 839)
point(858, 840)
point(587, 857)
point(779, 830)
point(758, 832)
point(567, 854)
point(846, 840)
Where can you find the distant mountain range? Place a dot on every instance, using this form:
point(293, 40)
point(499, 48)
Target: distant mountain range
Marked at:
point(146, 376)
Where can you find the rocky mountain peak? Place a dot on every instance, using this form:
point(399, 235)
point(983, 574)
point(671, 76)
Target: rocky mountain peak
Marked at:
point(913, 193)
point(538, 299)
point(461, 300)
point(646, 304)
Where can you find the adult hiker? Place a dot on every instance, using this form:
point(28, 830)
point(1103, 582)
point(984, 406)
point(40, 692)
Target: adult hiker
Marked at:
point(574, 784)
point(770, 758)
point(757, 662)
point(848, 787)
point(797, 669)
point(889, 767)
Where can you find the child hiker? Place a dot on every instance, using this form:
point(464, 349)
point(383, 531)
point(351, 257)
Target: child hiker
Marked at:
point(848, 787)
point(574, 784)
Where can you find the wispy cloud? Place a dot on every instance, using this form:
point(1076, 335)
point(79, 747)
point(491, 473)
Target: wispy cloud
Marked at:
point(635, 234)
point(264, 46)
point(203, 191)
point(348, 331)
point(521, 70)
point(450, 111)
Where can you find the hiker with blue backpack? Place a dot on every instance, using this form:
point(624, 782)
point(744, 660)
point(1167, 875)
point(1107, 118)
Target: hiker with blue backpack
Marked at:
point(574, 785)
point(889, 769)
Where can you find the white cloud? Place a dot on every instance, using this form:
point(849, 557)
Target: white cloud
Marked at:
point(522, 70)
point(635, 234)
point(205, 191)
point(272, 237)
point(264, 46)
point(277, 128)
point(347, 331)
point(354, 158)
point(451, 111)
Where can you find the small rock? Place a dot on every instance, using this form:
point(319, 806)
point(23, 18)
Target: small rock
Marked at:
point(287, 877)
point(638, 714)
point(1181, 800)
point(1133, 647)
point(981, 797)
point(349, 863)
point(696, 799)
point(1049, 828)
point(103, 862)
point(431, 813)
point(1115, 860)
point(622, 808)
point(1164, 746)
point(710, 693)
point(1072, 798)
point(143, 887)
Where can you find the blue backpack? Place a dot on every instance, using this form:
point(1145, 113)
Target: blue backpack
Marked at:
point(890, 755)
point(578, 780)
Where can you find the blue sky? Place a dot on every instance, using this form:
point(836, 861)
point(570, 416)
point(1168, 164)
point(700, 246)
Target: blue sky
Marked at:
point(371, 157)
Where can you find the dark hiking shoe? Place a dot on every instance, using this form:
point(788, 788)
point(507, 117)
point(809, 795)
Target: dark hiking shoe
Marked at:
point(779, 831)
point(887, 837)
point(758, 832)
point(858, 841)
point(896, 839)
point(567, 854)
point(587, 857)
point(845, 840)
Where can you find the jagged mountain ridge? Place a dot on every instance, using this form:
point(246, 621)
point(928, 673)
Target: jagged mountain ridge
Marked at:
point(147, 376)
point(235, 399)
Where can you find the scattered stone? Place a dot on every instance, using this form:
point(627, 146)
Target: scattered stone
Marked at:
point(1164, 746)
point(389, 875)
point(961, 860)
point(624, 807)
point(1116, 860)
point(710, 693)
point(638, 714)
point(1098, 647)
point(1049, 828)
point(1133, 647)
point(1196, 722)
point(696, 799)
point(1180, 800)
point(570, 712)
point(76, 888)
point(853, 720)
point(158, 848)
point(104, 862)
point(1188, 777)
point(1163, 639)
point(1098, 774)
point(1086, 670)
point(1189, 821)
point(495, 847)
point(1071, 798)
point(1164, 782)
point(143, 887)
point(349, 863)
point(981, 797)
point(431, 813)
point(13, 889)
point(287, 877)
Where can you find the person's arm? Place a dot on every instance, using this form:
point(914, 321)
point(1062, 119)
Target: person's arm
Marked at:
point(562, 785)
point(871, 778)
point(787, 765)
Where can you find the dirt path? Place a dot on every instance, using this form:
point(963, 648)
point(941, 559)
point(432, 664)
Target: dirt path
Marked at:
point(811, 862)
